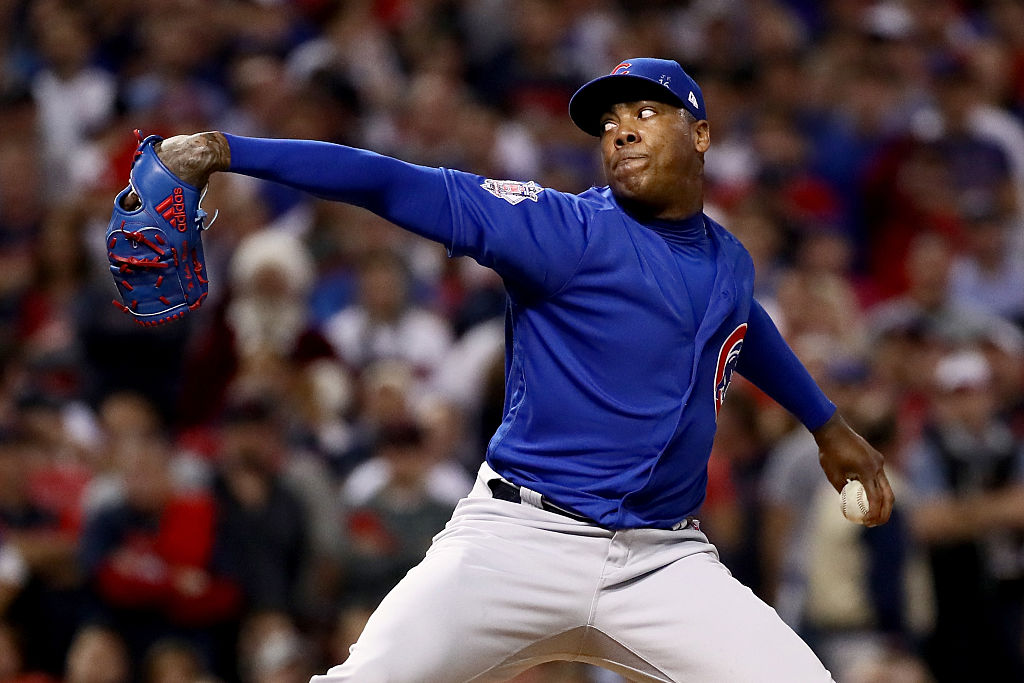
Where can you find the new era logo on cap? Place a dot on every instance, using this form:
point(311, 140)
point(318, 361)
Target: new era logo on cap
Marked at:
point(636, 79)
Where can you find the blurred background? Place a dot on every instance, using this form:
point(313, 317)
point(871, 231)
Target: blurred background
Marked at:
point(227, 498)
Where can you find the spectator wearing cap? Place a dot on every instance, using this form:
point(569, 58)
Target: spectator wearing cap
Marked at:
point(390, 522)
point(978, 164)
point(967, 475)
point(264, 523)
point(269, 483)
point(388, 403)
point(844, 587)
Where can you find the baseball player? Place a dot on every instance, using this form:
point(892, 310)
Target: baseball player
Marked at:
point(628, 311)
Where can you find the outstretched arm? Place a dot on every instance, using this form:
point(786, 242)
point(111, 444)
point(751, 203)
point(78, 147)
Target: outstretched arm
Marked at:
point(769, 363)
point(412, 196)
point(468, 214)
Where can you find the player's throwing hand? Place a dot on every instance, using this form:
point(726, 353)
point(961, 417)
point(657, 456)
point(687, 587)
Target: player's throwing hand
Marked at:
point(845, 455)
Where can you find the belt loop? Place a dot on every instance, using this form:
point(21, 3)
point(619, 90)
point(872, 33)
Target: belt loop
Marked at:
point(530, 497)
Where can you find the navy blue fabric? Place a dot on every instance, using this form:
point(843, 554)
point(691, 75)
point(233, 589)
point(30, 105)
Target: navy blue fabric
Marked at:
point(623, 335)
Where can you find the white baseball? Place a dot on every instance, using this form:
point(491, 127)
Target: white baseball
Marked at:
point(854, 500)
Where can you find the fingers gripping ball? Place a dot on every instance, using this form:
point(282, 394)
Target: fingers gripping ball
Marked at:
point(155, 248)
point(854, 501)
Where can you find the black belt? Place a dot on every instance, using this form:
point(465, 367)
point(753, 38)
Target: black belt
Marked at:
point(503, 490)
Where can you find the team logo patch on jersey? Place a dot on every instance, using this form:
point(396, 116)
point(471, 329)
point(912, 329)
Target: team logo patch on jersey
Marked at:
point(513, 191)
point(728, 357)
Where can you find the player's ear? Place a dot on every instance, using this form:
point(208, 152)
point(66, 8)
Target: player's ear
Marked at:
point(701, 135)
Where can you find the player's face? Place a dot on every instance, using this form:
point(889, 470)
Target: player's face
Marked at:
point(654, 158)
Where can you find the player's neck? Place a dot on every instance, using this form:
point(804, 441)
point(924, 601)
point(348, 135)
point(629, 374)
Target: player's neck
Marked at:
point(647, 213)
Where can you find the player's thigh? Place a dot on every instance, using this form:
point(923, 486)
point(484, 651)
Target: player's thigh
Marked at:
point(693, 621)
point(487, 590)
point(413, 634)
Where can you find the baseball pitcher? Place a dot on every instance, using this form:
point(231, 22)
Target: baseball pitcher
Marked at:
point(629, 311)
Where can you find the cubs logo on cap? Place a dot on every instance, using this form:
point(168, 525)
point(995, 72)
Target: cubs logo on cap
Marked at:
point(643, 78)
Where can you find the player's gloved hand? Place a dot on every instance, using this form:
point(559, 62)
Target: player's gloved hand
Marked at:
point(154, 237)
point(843, 455)
point(193, 158)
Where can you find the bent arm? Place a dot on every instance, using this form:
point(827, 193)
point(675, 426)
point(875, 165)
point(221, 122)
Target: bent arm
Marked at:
point(769, 363)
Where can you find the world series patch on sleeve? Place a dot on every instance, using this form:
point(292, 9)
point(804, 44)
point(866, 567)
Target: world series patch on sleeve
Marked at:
point(155, 248)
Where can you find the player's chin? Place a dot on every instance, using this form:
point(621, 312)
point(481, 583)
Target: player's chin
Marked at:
point(628, 186)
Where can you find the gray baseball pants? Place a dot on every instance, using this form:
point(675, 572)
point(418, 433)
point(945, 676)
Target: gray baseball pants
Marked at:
point(507, 586)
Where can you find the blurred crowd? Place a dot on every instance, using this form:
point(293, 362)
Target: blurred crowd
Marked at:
point(227, 498)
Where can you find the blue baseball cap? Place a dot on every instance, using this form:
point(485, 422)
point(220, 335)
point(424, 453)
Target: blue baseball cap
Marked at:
point(643, 78)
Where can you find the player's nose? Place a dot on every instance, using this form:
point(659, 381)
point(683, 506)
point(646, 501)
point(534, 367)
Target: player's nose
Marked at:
point(626, 135)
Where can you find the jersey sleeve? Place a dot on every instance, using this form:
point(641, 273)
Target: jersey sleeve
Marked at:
point(533, 237)
point(769, 363)
point(408, 195)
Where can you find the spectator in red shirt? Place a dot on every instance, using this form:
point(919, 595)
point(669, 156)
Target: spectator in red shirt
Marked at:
point(152, 561)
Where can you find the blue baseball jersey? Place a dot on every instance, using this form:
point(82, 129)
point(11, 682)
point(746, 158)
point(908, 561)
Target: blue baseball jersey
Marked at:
point(622, 339)
point(622, 336)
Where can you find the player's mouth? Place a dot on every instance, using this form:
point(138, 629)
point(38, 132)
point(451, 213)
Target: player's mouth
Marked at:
point(629, 161)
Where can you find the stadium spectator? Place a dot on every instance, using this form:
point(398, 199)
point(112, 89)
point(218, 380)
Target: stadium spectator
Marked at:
point(261, 342)
point(386, 324)
point(967, 472)
point(154, 561)
point(989, 274)
point(855, 593)
point(75, 98)
point(272, 650)
point(263, 521)
point(47, 603)
point(392, 512)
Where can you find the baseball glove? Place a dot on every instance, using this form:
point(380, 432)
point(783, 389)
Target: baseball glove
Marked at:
point(155, 248)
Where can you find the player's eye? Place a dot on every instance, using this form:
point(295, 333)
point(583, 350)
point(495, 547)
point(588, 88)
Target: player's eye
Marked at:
point(647, 112)
point(607, 125)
